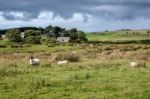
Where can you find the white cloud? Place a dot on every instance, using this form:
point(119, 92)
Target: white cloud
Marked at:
point(46, 18)
point(16, 15)
point(93, 23)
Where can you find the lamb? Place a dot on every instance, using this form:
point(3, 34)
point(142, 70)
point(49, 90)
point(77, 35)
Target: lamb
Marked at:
point(34, 61)
point(62, 62)
point(133, 64)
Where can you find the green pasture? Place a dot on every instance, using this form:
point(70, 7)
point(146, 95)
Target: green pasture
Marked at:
point(118, 35)
point(84, 80)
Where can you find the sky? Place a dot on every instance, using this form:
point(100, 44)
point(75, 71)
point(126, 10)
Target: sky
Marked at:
point(86, 15)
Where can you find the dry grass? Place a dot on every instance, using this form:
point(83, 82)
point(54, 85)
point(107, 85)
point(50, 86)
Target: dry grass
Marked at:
point(141, 64)
point(98, 72)
point(72, 57)
point(108, 52)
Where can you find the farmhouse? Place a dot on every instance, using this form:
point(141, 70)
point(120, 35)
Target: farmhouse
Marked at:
point(63, 39)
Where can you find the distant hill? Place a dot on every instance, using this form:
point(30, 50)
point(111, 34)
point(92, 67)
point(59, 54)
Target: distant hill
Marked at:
point(119, 35)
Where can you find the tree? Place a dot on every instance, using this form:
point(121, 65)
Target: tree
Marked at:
point(49, 31)
point(33, 40)
point(67, 33)
point(28, 33)
point(56, 31)
point(73, 30)
point(82, 36)
point(32, 36)
point(75, 36)
point(13, 35)
point(48, 28)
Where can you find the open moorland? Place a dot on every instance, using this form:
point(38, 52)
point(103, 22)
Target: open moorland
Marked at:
point(94, 71)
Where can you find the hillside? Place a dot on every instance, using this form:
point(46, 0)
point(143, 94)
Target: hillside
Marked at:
point(119, 35)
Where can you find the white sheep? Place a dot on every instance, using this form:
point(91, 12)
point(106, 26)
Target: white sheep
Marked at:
point(62, 62)
point(133, 64)
point(91, 45)
point(74, 52)
point(34, 61)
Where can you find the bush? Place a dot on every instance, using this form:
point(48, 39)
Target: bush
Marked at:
point(69, 56)
point(14, 35)
point(72, 57)
point(59, 57)
point(33, 40)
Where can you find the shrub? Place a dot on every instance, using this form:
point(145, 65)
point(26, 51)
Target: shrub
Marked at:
point(72, 57)
point(51, 40)
point(33, 40)
point(14, 35)
point(59, 57)
point(29, 33)
point(69, 56)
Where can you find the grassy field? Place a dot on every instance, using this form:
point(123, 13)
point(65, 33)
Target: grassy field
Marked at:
point(118, 35)
point(94, 71)
point(101, 72)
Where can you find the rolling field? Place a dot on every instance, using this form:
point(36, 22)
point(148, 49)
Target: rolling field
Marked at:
point(96, 71)
point(99, 72)
point(118, 35)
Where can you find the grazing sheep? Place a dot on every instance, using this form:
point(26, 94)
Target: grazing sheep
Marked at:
point(74, 52)
point(91, 45)
point(34, 61)
point(62, 62)
point(138, 64)
point(133, 64)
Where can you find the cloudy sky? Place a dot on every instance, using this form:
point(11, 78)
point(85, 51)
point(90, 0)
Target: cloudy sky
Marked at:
point(87, 15)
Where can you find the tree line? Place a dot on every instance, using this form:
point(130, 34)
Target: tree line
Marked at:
point(33, 35)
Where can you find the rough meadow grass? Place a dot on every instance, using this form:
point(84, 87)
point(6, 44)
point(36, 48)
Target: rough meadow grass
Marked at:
point(96, 72)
